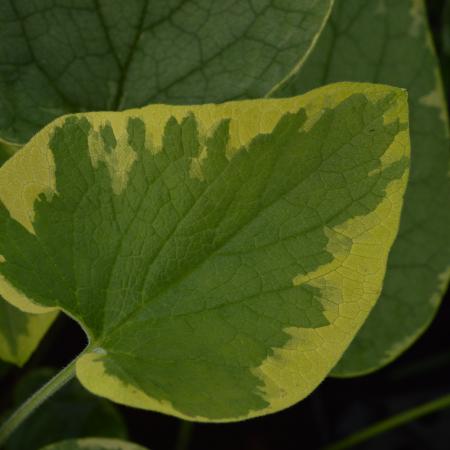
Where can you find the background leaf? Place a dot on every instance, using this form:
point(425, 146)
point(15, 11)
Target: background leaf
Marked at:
point(90, 55)
point(20, 332)
point(220, 257)
point(70, 413)
point(94, 444)
point(397, 51)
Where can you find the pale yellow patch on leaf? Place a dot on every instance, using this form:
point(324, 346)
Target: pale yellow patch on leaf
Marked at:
point(195, 171)
point(37, 167)
point(118, 160)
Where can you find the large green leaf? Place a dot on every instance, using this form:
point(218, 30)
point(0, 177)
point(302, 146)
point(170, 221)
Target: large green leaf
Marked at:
point(20, 332)
point(90, 55)
point(94, 444)
point(219, 257)
point(70, 413)
point(389, 42)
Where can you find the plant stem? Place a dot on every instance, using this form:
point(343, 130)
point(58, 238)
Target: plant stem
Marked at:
point(390, 423)
point(39, 397)
point(184, 435)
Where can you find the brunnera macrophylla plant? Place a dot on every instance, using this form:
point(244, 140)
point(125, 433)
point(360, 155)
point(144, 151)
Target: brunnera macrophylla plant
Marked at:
point(222, 258)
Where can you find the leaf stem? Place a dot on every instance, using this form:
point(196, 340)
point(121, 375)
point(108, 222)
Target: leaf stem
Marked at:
point(36, 400)
point(391, 423)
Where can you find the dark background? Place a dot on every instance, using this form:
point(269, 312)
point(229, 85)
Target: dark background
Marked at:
point(337, 408)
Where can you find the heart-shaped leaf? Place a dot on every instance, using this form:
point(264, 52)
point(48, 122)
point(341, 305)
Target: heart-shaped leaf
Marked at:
point(94, 444)
point(106, 55)
point(397, 51)
point(219, 257)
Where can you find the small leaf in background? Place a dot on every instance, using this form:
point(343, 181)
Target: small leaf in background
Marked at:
point(219, 257)
point(94, 444)
point(70, 413)
point(113, 55)
point(397, 51)
point(20, 332)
